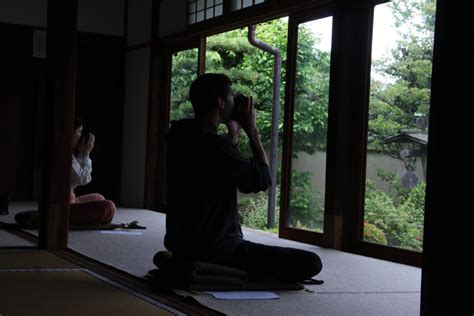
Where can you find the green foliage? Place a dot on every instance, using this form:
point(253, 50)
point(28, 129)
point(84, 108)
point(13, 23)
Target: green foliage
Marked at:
point(373, 234)
point(183, 72)
point(251, 70)
point(384, 119)
point(253, 211)
point(306, 209)
point(311, 94)
point(405, 89)
point(402, 94)
point(398, 213)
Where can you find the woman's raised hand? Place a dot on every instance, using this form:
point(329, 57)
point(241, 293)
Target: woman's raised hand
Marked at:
point(86, 145)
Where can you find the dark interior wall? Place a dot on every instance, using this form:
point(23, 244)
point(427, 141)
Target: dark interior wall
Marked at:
point(99, 100)
point(18, 81)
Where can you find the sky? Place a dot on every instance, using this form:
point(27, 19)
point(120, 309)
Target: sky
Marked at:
point(384, 36)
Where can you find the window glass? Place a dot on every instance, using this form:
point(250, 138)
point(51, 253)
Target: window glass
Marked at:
point(200, 10)
point(184, 69)
point(251, 71)
point(241, 4)
point(310, 121)
point(402, 50)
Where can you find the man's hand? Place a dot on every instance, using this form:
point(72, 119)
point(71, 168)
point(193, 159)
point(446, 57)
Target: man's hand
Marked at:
point(249, 125)
point(233, 128)
point(247, 118)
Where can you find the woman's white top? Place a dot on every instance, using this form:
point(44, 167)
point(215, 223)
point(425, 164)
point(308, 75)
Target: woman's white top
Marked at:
point(81, 171)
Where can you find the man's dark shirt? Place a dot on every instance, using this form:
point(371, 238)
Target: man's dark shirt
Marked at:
point(204, 170)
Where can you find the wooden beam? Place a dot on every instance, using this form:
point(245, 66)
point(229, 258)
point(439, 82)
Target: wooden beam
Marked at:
point(60, 94)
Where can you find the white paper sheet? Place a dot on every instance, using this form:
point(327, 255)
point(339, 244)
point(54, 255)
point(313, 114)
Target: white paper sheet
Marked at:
point(119, 232)
point(244, 295)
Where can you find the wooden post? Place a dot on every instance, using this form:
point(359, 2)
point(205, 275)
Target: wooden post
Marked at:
point(60, 94)
point(348, 106)
point(152, 182)
point(202, 56)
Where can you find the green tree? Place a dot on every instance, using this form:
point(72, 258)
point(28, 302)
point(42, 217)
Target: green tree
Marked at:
point(251, 70)
point(401, 98)
point(183, 72)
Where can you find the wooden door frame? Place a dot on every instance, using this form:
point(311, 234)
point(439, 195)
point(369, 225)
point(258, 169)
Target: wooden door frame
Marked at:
point(158, 115)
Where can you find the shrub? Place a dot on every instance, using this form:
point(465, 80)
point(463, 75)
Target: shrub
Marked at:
point(398, 214)
point(306, 210)
point(253, 211)
point(373, 234)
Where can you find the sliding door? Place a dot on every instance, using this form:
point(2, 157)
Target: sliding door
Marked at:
point(306, 125)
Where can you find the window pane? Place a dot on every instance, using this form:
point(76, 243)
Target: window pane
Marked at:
point(218, 10)
point(398, 123)
point(308, 174)
point(192, 19)
point(204, 9)
point(200, 5)
point(209, 13)
point(247, 3)
point(183, 72)
point(240, 4)
point(251, 71)
point(192, 7)
point(200, 16)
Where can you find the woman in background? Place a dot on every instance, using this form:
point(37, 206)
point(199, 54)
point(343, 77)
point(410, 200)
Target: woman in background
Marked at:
point(89, 209)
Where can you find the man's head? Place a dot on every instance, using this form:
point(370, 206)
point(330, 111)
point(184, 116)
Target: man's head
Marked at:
point(212, 93)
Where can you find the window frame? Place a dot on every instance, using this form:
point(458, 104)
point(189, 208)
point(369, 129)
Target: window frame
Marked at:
point(285, 231)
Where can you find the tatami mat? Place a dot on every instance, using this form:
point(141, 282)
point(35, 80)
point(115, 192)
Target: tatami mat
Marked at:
point(32, 259)
point(40, 283)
